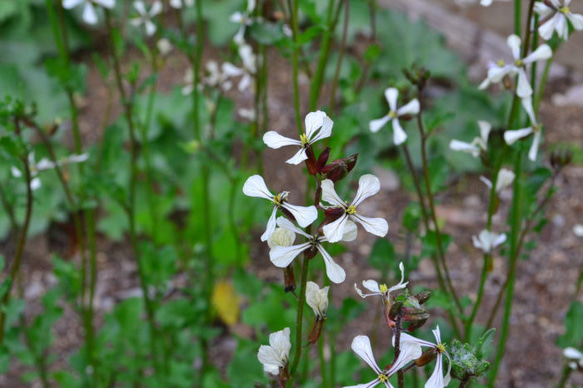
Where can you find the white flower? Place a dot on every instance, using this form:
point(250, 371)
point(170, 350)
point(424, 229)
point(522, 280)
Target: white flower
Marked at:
point(255, 187)
point(317, 299)
point(477, 145)
point(483, 3)
point(554, 16)
point(281, 237)
point(249, 66)
point(244, 20)
point(510, 137)
point(89, 14)
point(318, 126)
point(164, 46)
point(578, 230)
point(497, 71)
point(368, 185)
point(215, 76)
point(145, 17)
point(505, 179)
point(45, 164)
point(382, 290)
point(275, 356)
point(575, 356)
point(178, 4)
point(487, 241)
point(361, 346)
point(282, 256)
point(411, 108)
point(437, 378)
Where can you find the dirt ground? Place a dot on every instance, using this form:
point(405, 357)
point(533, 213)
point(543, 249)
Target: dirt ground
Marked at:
point(545, 282)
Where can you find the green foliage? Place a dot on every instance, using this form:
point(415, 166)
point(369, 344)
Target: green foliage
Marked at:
point(574, 331)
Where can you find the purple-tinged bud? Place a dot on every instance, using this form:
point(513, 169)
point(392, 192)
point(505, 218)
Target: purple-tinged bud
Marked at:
point(339, 168)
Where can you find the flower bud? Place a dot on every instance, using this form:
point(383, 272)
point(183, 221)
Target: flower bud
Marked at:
point(423, 296)
point(560, 158)
point(465, 363)
point(289, 279)
point(281, 237)
point(339, 168)
point(317, 299)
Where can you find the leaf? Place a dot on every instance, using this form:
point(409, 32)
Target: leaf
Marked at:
point(382, 255)
point(573, 329)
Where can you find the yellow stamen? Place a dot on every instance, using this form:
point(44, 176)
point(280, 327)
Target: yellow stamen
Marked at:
point(304, 139)
point(351, 210)
point(564, 10)
point(500, 63)
point(277, 200)
point(383, 378)
point(519, 63)
point(384, 288)
point(392, 114)
point(440, 348)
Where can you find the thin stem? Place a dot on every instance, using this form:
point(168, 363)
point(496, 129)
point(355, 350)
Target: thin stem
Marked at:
point(21, 242)
point(322, 362)
point(293, 6)
point(565, 374)
point(340, 54)
point(543, 83)
point(300, 319)
point(317, 81)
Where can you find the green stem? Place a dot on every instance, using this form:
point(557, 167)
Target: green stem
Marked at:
point(300, 319)
point(322, 362)
point(340, 55)
point(543, 83)
point(131, 203)
point(293, 6)
point(565, 376)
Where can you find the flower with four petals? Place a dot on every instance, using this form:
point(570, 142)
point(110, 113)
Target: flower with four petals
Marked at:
point(411, 108)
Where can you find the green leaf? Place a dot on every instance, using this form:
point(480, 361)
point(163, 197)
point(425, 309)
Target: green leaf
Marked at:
point(573, 328)
point(382, 255)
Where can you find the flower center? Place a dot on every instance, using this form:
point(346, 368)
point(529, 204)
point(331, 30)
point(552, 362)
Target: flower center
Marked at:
point(351, 210)
point(564, 10)
point(383, 378)
point(392, 114)
point(440, 348)
point(384, 288)
point(278, 199)
point(519, 62)
point(500, 63)
point(304, 139)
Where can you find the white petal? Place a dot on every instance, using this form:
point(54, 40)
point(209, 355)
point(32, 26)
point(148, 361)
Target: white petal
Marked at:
point(510, 137)
point(377, 124)
point(244, 83)
point(283, 256)
point(78, 158)
point(237, 17)
point(255, 187)
point(231, 70)
point(437, 334)
point(150, 27)
point(105, 3)
point(391, 94)
point(350, 231)
point(409, 339)
point(361, 346)
point(542, 9)
point(485, 128)
point(372, 286)
point(334, 272)
point(368, 185)
point(412, 108)
point(176, 4)
point(35, 183)
point(298, 157)
point(68, 4)
point(456, 145)
point(514, 44)
point(280, 341)
point(523, 89)
point(562, 27)
point(534, 147)
point(274, 140)
point(546, 29)
point(270, 359)
point(313, 121)
point(89, 15)
point(496, 73)
point(329, 194)
point(572, 353)
point(527, 105)
point(334, 230)
point(486, 181)
point(477, 243)
point(287, 224)
point(317, 298)
point(499, 240)
point(15, 172)
point(409, 352)
point(436, 379)
point(542, 52)
point(485, 83)
point(576, 20)
point(399, 135)
point(304, 215)
point(505, 179)
point(156, 9)
point(377, 226)
point(325, 131)
point(270, 225)
point(140, 8)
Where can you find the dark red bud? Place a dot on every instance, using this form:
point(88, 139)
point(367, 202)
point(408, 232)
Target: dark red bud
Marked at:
point(323, 158)
point(314, 335)
point(339, 168)
point(311, 162)
point(423, 296)
point(289, 279)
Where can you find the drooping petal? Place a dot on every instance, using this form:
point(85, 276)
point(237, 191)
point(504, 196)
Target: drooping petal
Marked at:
point(35, 183)
point(313, 121)
point(505, 179)
point(237, 17)
point(304, 215)
point(280, 341)
point(368, 185)
point(334, 272)
point(270, 225)
point(270, 360)
point(15, 172)
point(527, 105)
point(89, 14)
point(391, 94)
point(399, 135)
point(486, 181)
point(372, 286)
point(437, 334)
point(361, 346)
point(542, 52)
point(411, 108)
point(510, 137)
point(499, 240)
point(402, 284)
point(562, 27)
point(409, 352)
point(542, 9)
point(287, 224)
point(576, 20)
point(485, 128)
point(496, 73)
point(377, 124)
point(274, 140)
point(377, 226)
point(523, 89)
point(436, 378)
point(514, 43)
point(370, 384)
point(283, 256)
point(255, 187)
point(334, 230)
point(298, 157)
point(534, 147)
point(329, 194)
point(231, 70)
point(409, 339)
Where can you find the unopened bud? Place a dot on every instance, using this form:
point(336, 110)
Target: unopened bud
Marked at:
point(427, 356)
point(316, 330)
point(423, 296)
point(281, 237)
point(289, 279)
point(339, 168)
point(560, 158)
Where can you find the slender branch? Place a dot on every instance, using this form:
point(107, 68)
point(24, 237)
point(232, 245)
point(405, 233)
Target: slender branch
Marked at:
point(340, 54)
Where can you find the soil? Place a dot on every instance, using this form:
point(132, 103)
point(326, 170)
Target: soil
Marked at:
point(545, 282)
